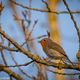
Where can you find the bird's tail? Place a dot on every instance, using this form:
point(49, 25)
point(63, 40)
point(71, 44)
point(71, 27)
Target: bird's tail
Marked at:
point(70, 61)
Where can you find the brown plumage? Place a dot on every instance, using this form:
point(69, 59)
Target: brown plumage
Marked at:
point(54, 50)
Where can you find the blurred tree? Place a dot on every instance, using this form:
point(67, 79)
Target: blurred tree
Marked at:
point(53, 25)
point(17, 45)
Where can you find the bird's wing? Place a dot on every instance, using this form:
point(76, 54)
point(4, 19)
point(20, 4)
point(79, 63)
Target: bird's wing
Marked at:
point(54, 54)
point(57, 47)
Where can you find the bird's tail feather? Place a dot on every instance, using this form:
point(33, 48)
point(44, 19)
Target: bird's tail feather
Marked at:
point(70, 61)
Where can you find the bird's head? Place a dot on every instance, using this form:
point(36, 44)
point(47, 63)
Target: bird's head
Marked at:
point(44, 42)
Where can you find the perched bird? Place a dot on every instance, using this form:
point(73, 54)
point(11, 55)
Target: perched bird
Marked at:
point(54, 50)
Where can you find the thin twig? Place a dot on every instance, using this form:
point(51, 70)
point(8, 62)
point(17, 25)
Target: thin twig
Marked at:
point(47, 6)
point(34, 39)
point(37, 58)
point(63, 73)
point(16, 50)
point(30, 5)
point(3, 57)
point(10, 72)
point(32, 29)
point(8, 48)
point(24, 30)
point(38, 37)
point(75, 24)
point(19, 65)
point(40, 10)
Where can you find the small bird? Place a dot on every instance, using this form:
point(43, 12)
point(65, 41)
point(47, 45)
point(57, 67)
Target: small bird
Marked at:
point(54, 50)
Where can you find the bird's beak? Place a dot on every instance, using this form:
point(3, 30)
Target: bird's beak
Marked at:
point(39, 41)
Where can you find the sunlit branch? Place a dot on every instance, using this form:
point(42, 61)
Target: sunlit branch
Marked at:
point(10, 72)
point(37, 58)
point(8, 48)
point(19, 66)
point(63, 73)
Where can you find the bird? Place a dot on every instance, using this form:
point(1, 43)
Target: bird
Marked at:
point(54, 50)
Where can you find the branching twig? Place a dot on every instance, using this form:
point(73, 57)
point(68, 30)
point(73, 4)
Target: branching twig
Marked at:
point(16, 50)
point(35, 57)
point(34, 39)
point(30, 5)
point(32, 29)
point(63, 73)
point(75, 24)
point(47, 6)
point(8, 48)
point(3, 57)
point(40, 10)
point(10, 72)
point(19, 67)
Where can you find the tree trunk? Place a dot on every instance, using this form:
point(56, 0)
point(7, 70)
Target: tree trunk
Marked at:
point(53, 23)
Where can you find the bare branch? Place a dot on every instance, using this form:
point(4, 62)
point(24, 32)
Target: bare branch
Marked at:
point(32, 29)
point(47, 6)
point(3, 57)
point(10, 72)
point(19, 65)
point(40, 10)
point(13, 46)
point(37, 58)
point(75, 24)
point(63, 73)
point(8, 48)
point(30, 2)
point(34, 39)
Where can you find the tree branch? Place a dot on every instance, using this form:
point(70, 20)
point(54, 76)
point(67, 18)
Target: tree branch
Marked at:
point(8, 48)
point(19, 65)
point(75, 24)
point(35, 57)
point(40, 10)
point(64, 73)
point(10, 72)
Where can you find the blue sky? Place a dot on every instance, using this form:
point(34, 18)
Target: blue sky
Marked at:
point(69, 38)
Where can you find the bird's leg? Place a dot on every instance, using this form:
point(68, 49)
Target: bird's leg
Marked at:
point(64, 62)
point(47, 59)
